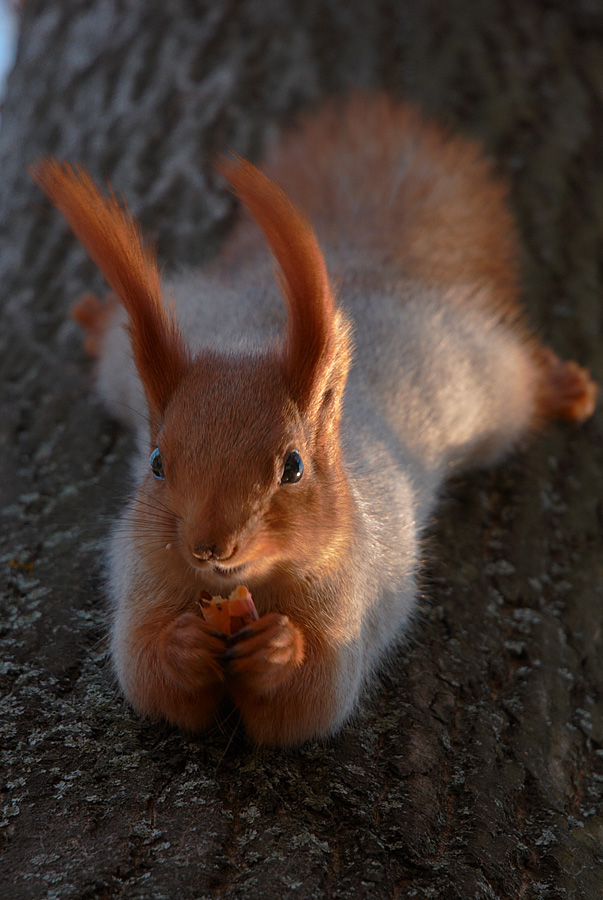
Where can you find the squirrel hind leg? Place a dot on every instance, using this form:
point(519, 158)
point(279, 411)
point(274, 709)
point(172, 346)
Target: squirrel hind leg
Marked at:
point(94, 315)
point(567, 390)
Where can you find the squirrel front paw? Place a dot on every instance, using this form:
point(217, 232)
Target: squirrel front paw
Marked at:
point(264, 655)
point(190, 651)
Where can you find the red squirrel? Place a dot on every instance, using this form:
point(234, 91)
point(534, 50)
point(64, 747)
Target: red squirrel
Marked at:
point(296, 430)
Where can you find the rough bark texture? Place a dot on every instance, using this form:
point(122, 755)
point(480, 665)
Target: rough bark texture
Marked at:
point(476, 767)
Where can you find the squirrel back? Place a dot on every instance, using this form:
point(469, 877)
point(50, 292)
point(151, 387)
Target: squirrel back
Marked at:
point(293, 457)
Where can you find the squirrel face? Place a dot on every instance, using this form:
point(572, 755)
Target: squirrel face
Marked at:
point(238, 474)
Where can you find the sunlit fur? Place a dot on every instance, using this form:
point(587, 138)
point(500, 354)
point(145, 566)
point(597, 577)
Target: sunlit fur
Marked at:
point(422, 271)
point(317, 334)
point(112, 239)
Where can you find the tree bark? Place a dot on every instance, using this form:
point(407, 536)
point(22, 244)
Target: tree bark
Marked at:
point(475, 769)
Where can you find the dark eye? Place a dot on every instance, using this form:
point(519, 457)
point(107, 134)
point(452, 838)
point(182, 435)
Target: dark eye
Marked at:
point(293, 468)
point(157, 465)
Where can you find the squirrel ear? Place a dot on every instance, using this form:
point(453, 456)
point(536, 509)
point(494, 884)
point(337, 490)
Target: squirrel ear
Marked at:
point(112, 238)
point(317, 352)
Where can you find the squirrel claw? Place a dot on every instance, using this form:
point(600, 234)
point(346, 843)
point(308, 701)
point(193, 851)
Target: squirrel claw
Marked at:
point(238, 636)
point(266, 653)
point(191, 650)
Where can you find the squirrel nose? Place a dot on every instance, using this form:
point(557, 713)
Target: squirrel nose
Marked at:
point(217, 551)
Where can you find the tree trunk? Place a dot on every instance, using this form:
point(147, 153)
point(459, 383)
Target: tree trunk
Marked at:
point(476, 767)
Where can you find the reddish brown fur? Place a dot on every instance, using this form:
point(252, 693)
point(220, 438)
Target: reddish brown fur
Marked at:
point(307, 705)
point(566, 390)
point(183, 680)
point(113, 240)
point(94, 316)
point(446, 222)
point(179, 655)
point(214, 501)
point(315, 331)
point(402, 224)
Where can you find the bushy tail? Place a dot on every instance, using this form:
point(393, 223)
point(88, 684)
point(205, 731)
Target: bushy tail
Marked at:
point(375, 177)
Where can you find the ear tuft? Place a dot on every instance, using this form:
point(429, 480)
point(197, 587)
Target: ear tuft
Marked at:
point(316, 332)
point(112, 238)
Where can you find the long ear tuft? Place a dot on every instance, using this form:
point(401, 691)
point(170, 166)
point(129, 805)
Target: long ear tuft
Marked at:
point(316, 333)
point(112, 238)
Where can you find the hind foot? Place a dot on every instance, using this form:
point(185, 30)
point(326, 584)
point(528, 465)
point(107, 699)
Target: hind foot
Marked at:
point(567, 389)
point(94, 316)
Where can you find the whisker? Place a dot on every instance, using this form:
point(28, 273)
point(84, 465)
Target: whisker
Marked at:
point(147, 499)
point(221, 725)
point(160, 504)
point(133, 409)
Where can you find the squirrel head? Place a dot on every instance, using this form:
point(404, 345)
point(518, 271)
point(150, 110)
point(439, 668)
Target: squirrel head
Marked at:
point(245, 470)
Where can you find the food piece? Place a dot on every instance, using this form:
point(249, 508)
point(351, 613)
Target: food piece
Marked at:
point(229, 615)
point(215, 612)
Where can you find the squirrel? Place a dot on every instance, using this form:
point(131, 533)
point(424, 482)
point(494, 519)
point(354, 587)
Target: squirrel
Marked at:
point(295, 431)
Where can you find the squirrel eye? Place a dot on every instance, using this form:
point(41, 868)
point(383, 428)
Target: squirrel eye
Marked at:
point(157, 465)
point(293, 468)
